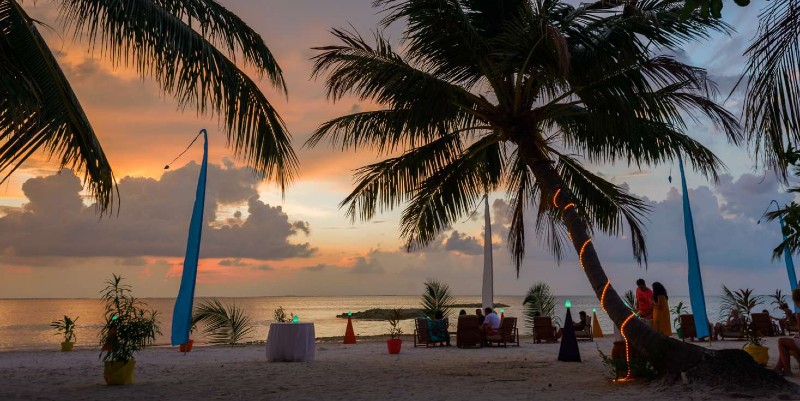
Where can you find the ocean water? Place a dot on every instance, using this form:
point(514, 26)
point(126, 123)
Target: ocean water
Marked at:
point(25, 323)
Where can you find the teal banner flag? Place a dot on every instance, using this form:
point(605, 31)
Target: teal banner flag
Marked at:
point(696, 294)
point(182, 314)
point(787, 256)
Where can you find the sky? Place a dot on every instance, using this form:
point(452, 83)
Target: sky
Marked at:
point(258, 242)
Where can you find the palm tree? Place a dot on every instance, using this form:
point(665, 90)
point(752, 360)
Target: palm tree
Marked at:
point(437, 298)
point(188, 47)
point(224, 324)
point(540, 301)
point(516, 95)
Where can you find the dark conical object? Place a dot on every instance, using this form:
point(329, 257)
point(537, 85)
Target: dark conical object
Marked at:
point(569, 351)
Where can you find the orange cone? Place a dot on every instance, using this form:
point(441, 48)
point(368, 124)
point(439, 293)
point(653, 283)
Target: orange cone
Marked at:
point(349, 334)
point(596, 330)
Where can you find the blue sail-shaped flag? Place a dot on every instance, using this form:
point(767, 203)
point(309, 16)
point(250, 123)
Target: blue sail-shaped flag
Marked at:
point(696, 294)
point(182, 314)
point(787, 257)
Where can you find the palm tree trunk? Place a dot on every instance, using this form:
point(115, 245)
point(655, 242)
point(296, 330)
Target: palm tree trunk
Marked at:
point(665, 353)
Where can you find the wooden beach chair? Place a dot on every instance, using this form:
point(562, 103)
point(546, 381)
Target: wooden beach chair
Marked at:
point(422, 334)
point(762, 324)
point(468, 332)
point(688, 328)
point(543, 330)
point(507, 334)
point(586, 333)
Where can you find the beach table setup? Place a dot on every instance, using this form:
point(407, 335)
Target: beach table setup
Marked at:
point(291, 342)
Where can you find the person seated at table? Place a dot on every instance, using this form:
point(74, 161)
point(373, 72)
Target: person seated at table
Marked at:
point(491, 323)
point(479, 313)
point(731, 328)
point(786, 345)
point(789, 321)
point(580, 325)
point(437, 329)
point(462, 313)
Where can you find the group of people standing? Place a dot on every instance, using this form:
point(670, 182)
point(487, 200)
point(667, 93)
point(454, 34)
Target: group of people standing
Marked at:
point(653, 306)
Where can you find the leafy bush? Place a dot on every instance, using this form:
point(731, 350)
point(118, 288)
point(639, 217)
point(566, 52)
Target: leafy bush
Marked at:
point(129, 326)
point(394, 323)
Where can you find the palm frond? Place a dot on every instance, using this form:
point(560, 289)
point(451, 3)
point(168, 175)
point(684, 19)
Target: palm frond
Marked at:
point(146, 35)
point(771, 108)
point(56, 124)
point(224, 324)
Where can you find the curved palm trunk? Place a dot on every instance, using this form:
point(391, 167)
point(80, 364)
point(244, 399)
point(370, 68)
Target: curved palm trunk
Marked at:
point(648, 343)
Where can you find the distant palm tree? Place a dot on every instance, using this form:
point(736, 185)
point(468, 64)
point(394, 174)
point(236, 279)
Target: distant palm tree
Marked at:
point(177, 43)
point(539, 301)
point(224, 323)
point(517, 95)
point(436, 298)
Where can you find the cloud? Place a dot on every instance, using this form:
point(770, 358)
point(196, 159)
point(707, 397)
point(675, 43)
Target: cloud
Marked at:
point(315, 268)
point(463, 243)
point(366, 265)
point(153, 219)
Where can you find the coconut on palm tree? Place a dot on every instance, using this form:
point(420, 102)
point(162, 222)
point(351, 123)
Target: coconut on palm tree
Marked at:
point(188, 47)
point(517, 96)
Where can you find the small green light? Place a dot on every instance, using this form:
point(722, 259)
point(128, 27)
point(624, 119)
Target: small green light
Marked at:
point(295, 319)
point(114, 317)
point(502, 310)
point(349, 313)
point(594, 310)
point(568, 304)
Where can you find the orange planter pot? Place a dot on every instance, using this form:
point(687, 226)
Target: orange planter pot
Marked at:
point(187, 347)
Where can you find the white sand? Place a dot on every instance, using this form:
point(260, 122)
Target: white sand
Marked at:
point(364, 371)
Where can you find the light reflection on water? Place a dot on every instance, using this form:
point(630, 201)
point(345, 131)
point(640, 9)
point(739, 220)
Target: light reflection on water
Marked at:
point(25, 323)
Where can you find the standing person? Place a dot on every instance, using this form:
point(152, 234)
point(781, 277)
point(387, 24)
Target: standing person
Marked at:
point(786, 344)
point(644, 300)
point(661, 318)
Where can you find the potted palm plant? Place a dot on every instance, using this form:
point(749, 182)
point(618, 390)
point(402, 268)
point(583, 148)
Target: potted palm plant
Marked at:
point(678, 310)
point(393, 343)
point(65, 327)
point(745, 302)
point(129, 327)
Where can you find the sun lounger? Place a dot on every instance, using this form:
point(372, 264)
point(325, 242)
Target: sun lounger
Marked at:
point(507, 334)
point(762, 324)
point(468, 332)
point(543, 330)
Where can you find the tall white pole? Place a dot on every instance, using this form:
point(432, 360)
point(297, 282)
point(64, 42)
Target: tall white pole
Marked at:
point(487, 295)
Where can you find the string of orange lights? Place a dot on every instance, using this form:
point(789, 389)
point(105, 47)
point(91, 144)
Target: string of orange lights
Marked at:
point(628, 375)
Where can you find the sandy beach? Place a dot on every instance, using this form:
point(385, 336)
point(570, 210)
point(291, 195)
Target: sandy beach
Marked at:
point(364, 371)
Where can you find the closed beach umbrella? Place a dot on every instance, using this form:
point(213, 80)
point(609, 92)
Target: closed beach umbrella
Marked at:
point(487, 295)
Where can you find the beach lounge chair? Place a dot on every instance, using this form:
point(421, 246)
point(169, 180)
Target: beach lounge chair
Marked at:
point(543, 330)
point(688, 329)
point(468, 332)
point(423, 335)
point(762, 324)
point(586, 333)
point(507, 334)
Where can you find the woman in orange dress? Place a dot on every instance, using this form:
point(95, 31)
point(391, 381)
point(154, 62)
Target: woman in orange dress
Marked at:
point(661, 319)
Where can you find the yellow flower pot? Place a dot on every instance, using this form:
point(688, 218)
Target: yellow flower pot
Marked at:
point(67, 346)
point(117, 373)
point(760, 354)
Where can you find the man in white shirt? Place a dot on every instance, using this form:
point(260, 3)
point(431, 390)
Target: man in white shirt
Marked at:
point(491, 324)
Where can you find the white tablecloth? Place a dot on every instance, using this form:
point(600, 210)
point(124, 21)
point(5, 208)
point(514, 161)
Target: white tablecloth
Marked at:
point(291, 342)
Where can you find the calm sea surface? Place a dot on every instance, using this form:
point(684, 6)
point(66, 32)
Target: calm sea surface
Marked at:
point(25, 323)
